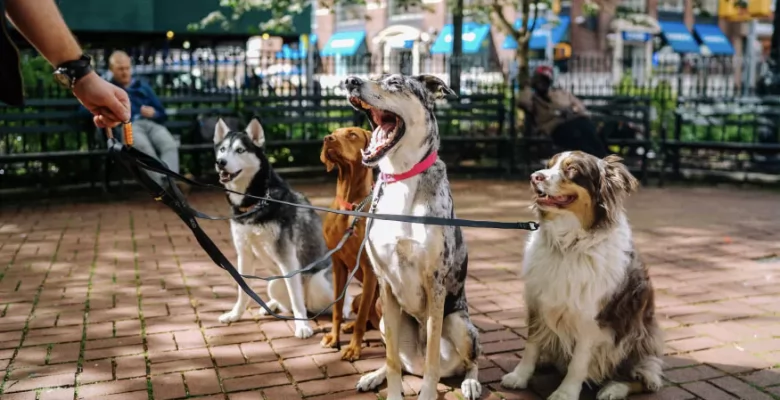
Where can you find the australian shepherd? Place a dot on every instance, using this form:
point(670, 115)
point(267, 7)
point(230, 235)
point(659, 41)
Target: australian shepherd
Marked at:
point(590, 302)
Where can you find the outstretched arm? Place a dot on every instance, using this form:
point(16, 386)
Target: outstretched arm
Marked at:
point(41, 23)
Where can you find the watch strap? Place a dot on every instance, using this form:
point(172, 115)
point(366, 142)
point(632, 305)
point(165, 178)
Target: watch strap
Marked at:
point(76, 69)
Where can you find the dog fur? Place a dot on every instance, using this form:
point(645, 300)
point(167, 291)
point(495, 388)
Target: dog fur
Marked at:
point(421, 268)
point(278, 237)
point(342, 149)
point(589, 297)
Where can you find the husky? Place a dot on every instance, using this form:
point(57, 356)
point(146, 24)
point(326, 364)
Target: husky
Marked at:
point(279, 237)
point(421, 268)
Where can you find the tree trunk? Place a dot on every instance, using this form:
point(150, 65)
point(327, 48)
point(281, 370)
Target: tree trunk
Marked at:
point(774, 51)
point(522, 45)
point(456, 57)
point(521, 56)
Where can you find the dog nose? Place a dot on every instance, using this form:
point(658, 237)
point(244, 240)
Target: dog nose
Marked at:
point(537, 177)
point(353, 82)
point(221, 162)
point(329, 138)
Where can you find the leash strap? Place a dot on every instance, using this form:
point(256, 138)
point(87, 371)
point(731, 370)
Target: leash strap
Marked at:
point(149, 163)
point(128, 156)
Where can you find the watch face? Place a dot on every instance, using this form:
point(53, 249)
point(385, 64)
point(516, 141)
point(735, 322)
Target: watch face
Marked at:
point(62, 79)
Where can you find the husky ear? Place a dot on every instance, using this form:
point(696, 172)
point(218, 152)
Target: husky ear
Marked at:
point(255, 132)
point(220, 131)
point(436, 86)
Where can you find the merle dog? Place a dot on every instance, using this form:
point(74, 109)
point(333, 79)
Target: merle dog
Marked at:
point(421, 268)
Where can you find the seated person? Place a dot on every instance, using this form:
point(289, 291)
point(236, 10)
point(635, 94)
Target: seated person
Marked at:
point(560, 114)
point(147, 115)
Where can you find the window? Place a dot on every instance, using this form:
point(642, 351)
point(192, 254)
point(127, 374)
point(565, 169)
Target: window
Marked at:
point(350, 13)
point(671, 5)
point(635, 6)
point(401, 9)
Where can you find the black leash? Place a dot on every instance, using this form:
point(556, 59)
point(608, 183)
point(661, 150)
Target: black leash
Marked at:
point(136, 161)
point(128, 157)
point(152, 164)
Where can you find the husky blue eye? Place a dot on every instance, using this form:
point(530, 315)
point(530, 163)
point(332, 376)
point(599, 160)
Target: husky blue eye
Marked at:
point(221, 149)
point(240, 150)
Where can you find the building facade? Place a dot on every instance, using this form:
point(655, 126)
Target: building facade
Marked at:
point(647, 30)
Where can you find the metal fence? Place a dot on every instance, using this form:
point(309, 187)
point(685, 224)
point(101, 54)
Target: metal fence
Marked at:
point(665, 120)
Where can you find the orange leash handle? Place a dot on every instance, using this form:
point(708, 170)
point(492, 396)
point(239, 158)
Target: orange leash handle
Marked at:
point(127, 127)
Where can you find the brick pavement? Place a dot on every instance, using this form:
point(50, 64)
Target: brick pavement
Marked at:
point(117, 301)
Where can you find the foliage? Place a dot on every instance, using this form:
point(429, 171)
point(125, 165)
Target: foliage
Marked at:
point(663, 100)
point(36, 74)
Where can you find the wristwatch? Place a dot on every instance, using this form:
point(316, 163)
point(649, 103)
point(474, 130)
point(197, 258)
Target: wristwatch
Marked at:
point(69, 72)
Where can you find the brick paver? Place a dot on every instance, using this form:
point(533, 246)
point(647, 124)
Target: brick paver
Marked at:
point(117, 301)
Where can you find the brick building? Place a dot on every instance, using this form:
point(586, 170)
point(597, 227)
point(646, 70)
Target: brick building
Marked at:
point(636, 29)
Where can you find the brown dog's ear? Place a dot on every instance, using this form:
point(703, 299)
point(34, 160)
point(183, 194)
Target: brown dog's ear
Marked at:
point(615, 185)
point(367, 135)
point(618, 176)
point(324, 159)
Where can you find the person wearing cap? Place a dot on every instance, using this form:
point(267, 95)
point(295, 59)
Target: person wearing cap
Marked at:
point(559, 114)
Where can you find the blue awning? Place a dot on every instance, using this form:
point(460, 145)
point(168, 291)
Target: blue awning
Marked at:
point(344, 44)
point(713, 37)
point(288, 53)
point(474, 38)
point(678, 37)
point(539, 35)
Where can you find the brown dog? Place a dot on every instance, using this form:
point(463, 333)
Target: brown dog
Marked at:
point(343, 148)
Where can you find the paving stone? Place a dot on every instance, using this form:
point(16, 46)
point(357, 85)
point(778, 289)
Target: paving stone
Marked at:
point(717, 306)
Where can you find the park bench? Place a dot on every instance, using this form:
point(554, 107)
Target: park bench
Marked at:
point(471, 127)
point(723, 134)
point(622, 122)
point(43, 137)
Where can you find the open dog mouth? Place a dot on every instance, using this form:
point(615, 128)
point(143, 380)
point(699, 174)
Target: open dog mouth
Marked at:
point(387, 127)
point(544, 199)
point(225, 177)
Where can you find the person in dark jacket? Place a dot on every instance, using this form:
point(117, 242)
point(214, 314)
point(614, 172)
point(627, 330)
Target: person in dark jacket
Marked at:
point(148, 116)
point(560, 114)
point(41, 23)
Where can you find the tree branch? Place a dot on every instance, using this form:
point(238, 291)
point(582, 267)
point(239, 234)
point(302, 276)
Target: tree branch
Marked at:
point(504, 24)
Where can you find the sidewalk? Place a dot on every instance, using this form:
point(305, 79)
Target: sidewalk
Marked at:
point(118, 301)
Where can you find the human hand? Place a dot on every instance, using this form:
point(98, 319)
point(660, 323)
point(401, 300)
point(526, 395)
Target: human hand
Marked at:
point(148, 112)
point(108, 103)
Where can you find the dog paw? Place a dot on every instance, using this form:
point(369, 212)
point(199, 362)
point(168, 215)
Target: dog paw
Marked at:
point(613, 391)
point(371, 380)
point(652, 382)
point(514, 380)
point(330, 340)
point(351, 352)
point(349, 327)
point(471, 389)
point(272, 304)
point(229, 317)
point(303, 331)
point(563, 393)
